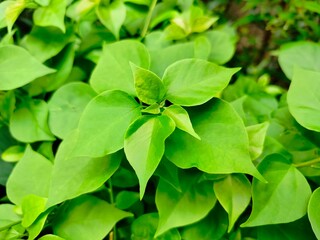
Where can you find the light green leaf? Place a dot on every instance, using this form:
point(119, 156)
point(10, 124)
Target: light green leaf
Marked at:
point(104, 122)
point(32, 206)
point(66, 106)
point(144, 145)
point(181, 118)
point(13, 153)
point(3, 7)
point(145, 226)
point(115, 64)
point(301, 54)
point(224, 145)
point(87, 217)
point(29, 123)
point(35, 229)
point(43, 2)
point(14, 77)
point(286, 189)
point(46, 42)
point(149, 87)
point(112, 16)
point(193, 82)
point(257, 134)
point(304, 98)
point(8, 217)
point(12, 12)
point(31, 175)
point(173, 205)
point(314, 212)
point(73, 176)
point(234, 194)
point(51, 237)
point(202, 47)
point(51, 15)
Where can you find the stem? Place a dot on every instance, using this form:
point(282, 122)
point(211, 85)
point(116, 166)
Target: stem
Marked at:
point(148, 19)
point(113, 234)
point(307, 163)
point(9, 226)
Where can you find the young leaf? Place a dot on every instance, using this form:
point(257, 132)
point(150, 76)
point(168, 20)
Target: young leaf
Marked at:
point(181, 118)
point(87, 217)
point(32, 206)
point(304, 98)
point(14, 77)
point(257, 134)
point(104, 122)
point(13, 153)
point(314, 212)
point(51, 15)
point(234, 194)
point(193, 82)
point(73, 176)
point(29, 123)
point(224, 146)
point(66, 106)
point(173, 206)
point(31, 175)
point(149, 87)
point(144, 145)
point(112, 16)
point(113, 71)
point(286, 189)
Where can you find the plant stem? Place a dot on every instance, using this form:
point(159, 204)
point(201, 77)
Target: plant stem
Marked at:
point(9, 226)
point(307, 163)
point(148, 19)
point(113, 234)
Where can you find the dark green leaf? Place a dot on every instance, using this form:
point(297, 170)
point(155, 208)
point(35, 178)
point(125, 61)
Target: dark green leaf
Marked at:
point(314, 212)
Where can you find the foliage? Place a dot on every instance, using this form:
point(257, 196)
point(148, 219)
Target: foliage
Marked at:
point(126, 119)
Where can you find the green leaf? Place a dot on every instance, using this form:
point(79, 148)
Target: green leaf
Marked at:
point(125, 199)
point(29, 123)
point(32, 206)
point(301, 54)
point(114, 64)
point(66, 106)
point(145, 226)
point(304, 98)
point(173, 205)
point(7, 105)
point(144, 145)
point(13, 153)
point(314, 212)
point(12, 12)
point(35, 229)
point(286, 189)
point(112, 16)
point(3, 7)
point(31, 175)
point(224, 146)
point(87, 217)
point(14, 77)
point(257, 134)
point(51, 15)
point(104, 122)
point(193, 82)
point(234, 194)
point(51, 237)
point(181, 118)
point(73, 176)
point(8, 217)
point(149, 87)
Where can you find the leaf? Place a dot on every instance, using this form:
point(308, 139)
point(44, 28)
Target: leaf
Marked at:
point(172, 205)
point(73, 176)
point(7, 105)
point(13, 153)
point(193, 82)
point(104, 122)
point(51, 237)
point(257, 134)
point(31, 175)
point(224, 146)
point(112, 16)
point(29, 123)
point(145, 226)
point(300, 54)
point(314, 212)
point(32, 206)
point(125, 199)
point(12, 12)
point(8, 216)
point(87, 217)
point(51, 15)
point(286, 189)
point(35, 229)
point(66, 106)
point(114, 64)
point(12, 77)
point(234, 194)
point(304, 98)
point(181, 118)
point(149, 87)
point(144, 145)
